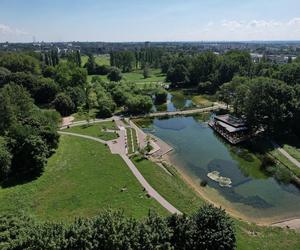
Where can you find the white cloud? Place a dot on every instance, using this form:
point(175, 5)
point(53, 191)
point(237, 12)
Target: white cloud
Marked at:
point(232, 25)
point(7, 30)
point(252, 30)
point(11, 34)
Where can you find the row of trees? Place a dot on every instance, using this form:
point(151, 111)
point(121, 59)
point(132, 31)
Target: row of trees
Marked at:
point(209, 71)
point(129, 60)
point(210, 228)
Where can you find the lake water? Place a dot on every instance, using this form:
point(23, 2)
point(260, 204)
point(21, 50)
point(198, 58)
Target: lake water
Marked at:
point(174, 103)
point(198, 151)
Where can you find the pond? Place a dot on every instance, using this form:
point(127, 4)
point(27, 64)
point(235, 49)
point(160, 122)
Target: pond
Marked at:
point(175, 101)
point(198, 150)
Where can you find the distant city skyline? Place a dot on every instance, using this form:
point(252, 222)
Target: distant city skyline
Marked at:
point(155, 20)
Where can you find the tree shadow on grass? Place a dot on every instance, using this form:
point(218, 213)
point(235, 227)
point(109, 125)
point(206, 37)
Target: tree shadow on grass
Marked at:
point(20, 179)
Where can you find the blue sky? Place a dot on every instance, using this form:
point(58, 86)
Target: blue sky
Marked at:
point(153, 20)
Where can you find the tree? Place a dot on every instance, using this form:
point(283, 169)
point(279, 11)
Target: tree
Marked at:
point(63, 104)
point(139, 104)
point(19, 62)
point(106, 105)
point(205, 87)
point(268, 103)
point(289, 73)
point(212, 229)
point(114, 74)
point(146, 71)
point(161, 96)
point(5, 159)
point(178, 76)
point(29, 152)
point(90, 65)
point(46, 91)
point(4, 73)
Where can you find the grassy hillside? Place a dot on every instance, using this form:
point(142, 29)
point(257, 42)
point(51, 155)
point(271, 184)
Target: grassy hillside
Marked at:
point(81, 179)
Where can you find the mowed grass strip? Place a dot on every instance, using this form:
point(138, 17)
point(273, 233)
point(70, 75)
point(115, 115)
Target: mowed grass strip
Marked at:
point(99, 59)
point(135, 139)
point(96, 130)
point(81, 179)
point(129, 141)
point(171, 187)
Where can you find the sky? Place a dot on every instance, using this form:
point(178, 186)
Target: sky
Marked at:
point(149, 20)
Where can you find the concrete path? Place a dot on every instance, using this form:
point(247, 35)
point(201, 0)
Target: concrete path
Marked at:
point(292, 224)
point(150, 190)
point(286, 154)
point(78, 123)
point(83, 136)
point(189, 111)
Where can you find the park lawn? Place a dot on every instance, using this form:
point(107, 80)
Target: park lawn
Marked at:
point(251, 236)
point(136, 76)
point(96, 130)
point(201, 101)
point(81, 179)
point(99, 59)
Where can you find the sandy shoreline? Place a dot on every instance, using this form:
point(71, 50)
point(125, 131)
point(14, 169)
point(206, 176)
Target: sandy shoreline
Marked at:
point(293, 223)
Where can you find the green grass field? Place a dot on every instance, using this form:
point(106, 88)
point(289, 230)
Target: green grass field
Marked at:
point(137, 77)
point(265, 146)
point(81, 179)
point(96, 130)
point(99, 59)
point(291, 144)
point(201, 101)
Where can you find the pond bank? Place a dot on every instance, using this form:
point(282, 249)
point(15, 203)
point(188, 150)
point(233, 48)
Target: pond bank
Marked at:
point(253, 197)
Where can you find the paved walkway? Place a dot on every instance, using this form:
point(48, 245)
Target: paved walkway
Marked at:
point(83, 136)
point(189, 111)
point(122, 152)
point(292, 224)
point(151, 191)
point(286, 154)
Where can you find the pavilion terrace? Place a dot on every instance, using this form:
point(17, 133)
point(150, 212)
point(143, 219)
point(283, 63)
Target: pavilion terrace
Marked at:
point(231, 128)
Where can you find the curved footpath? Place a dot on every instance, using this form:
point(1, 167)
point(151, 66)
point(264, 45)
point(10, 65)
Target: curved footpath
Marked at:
point(150, 190)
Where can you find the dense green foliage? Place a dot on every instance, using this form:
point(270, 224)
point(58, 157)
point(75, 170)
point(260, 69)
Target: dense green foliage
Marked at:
point(264, 102)
point(209, 228)
point(114, 74)
point(30, 134)
point(107, 96)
